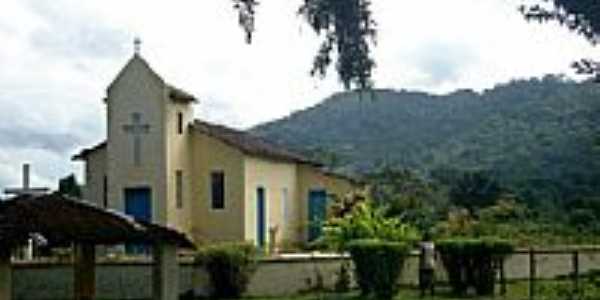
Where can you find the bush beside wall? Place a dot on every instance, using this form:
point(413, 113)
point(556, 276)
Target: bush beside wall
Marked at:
point(229, 266)
point(472, 263)
point(378, 265)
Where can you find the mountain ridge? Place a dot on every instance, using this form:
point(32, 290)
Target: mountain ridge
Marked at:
point(526, 131)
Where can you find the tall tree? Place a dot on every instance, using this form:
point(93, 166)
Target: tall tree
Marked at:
point(69, 186)
point(580, 16)
point(348, 31)
point(346, 28)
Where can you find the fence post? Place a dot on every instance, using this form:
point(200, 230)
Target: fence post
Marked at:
point(576, 271)
point(532, 274)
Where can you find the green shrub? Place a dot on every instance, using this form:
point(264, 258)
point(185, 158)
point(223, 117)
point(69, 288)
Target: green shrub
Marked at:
point(229, 266)
point(473, 263)
point(365, 221)
point(378, 265)
point(343, 282)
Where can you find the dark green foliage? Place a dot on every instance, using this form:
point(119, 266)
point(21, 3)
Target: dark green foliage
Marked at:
point(342, 284)
point(474, 190)
point(378, 265)
point(246, 13)
point(407, 196)
point(473, 263)
point(69, 186)
point(538, 137)
point(579, 16)
point(229, 266)
point(347, 29)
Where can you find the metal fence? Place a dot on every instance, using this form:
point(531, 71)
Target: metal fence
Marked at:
point(532, 271)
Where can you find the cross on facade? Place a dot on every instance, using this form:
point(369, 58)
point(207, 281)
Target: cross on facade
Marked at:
point(26, 189)
point(136, 129)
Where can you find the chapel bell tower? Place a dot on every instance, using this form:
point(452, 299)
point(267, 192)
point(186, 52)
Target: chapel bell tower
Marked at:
point(147, 145)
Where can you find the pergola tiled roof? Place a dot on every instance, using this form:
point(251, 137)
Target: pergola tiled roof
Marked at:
point(62, 220)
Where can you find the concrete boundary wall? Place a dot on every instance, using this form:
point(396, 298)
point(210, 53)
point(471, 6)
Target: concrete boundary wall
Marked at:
point(274, 276)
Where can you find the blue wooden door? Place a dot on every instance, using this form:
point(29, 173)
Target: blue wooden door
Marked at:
point(317, 213)
point(138, 204)
point(260, 217)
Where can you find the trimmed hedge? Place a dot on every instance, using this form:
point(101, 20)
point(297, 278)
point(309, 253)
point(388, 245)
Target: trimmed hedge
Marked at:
point(378, 265)
point(229, 266)
point(473, 263)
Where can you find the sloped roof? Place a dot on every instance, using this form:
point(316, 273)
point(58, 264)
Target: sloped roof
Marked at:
point(177, 94)
point(83, 154)
point(250, 144)
point(174, 93)
point(135, 58)
point(62, 220)
point(246, 142)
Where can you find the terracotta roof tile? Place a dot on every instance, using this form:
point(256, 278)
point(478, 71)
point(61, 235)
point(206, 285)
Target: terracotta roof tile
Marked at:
point(251, 144)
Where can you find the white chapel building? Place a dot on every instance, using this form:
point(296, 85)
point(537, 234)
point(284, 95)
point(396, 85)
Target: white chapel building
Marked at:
point(213, 183)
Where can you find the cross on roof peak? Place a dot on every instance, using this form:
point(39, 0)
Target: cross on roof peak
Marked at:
point(137, 45)
point(26, 189)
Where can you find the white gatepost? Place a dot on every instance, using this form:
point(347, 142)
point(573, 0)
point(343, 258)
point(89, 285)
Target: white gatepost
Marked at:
point(5, 275)
point(165, 273)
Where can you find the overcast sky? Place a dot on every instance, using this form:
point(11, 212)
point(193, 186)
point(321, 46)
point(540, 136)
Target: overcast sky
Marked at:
point(57, 58)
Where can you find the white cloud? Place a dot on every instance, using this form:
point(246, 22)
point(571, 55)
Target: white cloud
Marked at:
point(57, 58)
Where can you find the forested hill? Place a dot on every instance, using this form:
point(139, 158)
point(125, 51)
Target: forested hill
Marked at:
point(539, 136)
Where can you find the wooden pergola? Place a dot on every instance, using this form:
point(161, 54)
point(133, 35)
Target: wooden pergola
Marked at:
point(66, 222)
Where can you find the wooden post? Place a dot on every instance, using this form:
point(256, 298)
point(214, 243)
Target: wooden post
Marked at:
point(84, 272)
point(5, 274)
point(576, 271)
point(165, 273)
point(532, 273)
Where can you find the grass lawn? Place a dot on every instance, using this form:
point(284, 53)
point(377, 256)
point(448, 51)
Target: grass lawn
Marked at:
point(546, 290)
point(404, 295)
point(515, 291)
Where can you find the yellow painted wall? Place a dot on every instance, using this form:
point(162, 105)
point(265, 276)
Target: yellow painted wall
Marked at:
point(274, 177)
point(95, 170)
point(310, 178)
point(210, 155)
point(179, 151)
